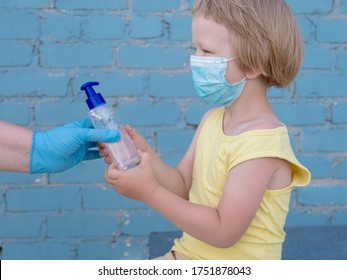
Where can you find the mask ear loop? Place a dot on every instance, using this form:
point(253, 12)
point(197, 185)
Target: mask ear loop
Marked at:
point(231, 59)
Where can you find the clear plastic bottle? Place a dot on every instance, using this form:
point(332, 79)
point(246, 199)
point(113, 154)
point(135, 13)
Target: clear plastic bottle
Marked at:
point(123, 152)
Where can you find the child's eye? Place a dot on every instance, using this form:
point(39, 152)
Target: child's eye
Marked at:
point(206, 51)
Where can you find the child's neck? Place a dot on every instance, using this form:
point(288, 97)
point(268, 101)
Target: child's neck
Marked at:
point(251, 110)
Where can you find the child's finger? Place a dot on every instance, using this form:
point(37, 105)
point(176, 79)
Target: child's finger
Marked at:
point(111, 173)
point(145, 159)
point(104, 152)
point(108, 159)
point(131, 132)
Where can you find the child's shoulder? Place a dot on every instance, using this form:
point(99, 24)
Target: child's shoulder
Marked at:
point(266, 122)
point(217, 111)
point(210, 114)
point(263, 123)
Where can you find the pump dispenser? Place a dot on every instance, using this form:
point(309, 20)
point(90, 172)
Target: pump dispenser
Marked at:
point(123, 152)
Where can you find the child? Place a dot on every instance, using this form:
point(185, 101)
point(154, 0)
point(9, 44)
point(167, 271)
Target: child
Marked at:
point(230, 193)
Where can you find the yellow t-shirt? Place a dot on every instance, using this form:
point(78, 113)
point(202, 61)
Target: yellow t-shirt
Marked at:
point(215, 155)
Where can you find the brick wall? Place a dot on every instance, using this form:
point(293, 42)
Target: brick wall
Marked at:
point(138, 51)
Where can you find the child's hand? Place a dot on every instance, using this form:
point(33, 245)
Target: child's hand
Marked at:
point(104, 152)
point(137, 183)
point(139, 142)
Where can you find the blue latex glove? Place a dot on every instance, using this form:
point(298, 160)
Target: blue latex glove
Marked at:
point(61, 148)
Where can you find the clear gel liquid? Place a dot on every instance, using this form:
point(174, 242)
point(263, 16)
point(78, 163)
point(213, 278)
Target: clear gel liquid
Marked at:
point(123, 152)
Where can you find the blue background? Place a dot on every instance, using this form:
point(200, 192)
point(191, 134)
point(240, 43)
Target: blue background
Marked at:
point(138, 51)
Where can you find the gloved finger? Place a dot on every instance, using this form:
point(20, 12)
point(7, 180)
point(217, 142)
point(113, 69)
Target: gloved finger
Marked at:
point(85, 123)
point(90, 155)
point(92, 145)
point(101, 135)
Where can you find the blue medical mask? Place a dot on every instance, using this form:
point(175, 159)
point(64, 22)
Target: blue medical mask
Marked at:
point(209, 80)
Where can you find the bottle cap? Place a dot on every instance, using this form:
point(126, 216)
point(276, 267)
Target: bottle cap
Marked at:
point(94, 99)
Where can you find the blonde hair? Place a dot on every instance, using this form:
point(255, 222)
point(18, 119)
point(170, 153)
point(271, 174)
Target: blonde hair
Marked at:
point(267, 38)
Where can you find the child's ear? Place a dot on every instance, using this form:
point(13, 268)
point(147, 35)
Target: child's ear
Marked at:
point(253, 74)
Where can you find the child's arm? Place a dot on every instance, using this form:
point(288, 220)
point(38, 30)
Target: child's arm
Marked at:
point(177, 180)
point(221, 227)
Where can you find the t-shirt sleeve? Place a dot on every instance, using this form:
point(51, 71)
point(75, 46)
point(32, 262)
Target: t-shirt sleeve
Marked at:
point(260, 145)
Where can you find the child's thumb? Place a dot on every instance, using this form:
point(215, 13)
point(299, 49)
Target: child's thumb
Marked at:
point(145, 159)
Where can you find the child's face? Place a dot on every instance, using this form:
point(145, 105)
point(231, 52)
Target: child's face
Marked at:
point(213, 39)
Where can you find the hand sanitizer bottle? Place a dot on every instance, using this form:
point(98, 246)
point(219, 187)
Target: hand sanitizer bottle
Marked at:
point(123, 152)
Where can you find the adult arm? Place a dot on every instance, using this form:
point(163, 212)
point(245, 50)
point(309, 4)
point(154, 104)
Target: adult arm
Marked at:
point(15, 147)
point(55, 150)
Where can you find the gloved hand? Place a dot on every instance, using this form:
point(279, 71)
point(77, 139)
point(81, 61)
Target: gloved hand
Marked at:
point(61, 148)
